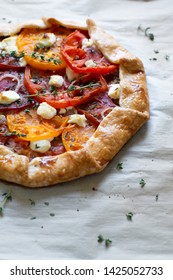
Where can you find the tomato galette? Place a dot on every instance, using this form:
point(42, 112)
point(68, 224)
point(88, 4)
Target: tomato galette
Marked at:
point(70, 98)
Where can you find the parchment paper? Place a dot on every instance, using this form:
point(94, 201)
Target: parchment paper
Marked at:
point(75, 213)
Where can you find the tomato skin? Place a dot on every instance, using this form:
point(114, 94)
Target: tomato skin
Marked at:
point(67, 100)
point(75, 56)
point(4, 66)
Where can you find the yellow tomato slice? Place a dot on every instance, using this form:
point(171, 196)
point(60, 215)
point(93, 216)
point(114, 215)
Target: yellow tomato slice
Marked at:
point(31, 127)
point(75, 137)
point(30, 41)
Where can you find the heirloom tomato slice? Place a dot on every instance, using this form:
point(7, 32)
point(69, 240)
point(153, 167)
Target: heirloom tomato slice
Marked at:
point(76, 56)
point(28, 126)
point(78, 93)
point(40, 53)
point(75, 137)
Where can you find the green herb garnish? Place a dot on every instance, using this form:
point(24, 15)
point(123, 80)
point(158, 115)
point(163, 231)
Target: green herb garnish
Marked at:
point(14, 133)
point(107, 241)
point(17, 55)
point(167, 57)
point(33, 218)
point(46, 203)
point(37, 146)
point(147, 34)
point(7, 197)
point(142, 183)
point(119, 166)
point(129, 216)
point(32, 201)
point(100, 238)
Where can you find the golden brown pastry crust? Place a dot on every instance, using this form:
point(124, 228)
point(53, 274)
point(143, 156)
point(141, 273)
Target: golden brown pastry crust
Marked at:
point(113, 132)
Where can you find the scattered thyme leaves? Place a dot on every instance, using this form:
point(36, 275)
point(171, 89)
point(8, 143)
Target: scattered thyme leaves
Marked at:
point(90, 85)
point(145, 31)
point(154, 58)
point(129, 216)
point(17, 55)
point(14, 133)
point(33, 218)
point(142, 183)
point(32, 202)
point(7, 197)
point(28, 112)
point(46, 203)
point(108, 242)
point(120, 166)
point(52, 214)
point(101, 239)
point(166, 57)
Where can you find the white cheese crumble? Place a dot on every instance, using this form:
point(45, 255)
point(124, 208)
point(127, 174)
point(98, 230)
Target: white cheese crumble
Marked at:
point(62, 111)
point(9, 96)
point(46, 111)
point(65, 110)
point(114, 91)
point(56, 80)
point(48, 40)
point(9, 44)
point(90, 63)
point(22, 62)
point(40, 146)
point(2, 117)
point(87, 43)
point(71, 75)
point(78, 119)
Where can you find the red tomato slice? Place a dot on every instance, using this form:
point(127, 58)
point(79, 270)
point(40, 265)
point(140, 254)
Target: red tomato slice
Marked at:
point(97, 108)
point(80, 92)
point(76, 57)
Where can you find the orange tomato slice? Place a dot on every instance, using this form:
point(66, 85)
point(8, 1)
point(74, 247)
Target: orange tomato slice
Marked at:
point(34, 127)
point(36, 53)
point(75, 137)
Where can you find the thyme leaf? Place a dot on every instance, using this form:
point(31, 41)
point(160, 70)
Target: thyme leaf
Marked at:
point(145, 31)
point(7, 197)
point(32, 202)
point(107, 241)
point(119, 166)
point(142, 183)
point(14, 133)
point(129, 216)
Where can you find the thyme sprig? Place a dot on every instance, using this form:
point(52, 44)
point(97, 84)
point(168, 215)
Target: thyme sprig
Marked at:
point(90, 85)
point(13, 133)
point(70, 88)
point(17, 55)
point(145, 31)
point(7, 197)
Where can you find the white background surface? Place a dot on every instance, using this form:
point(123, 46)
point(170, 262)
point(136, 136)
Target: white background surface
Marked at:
point(81, 214)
